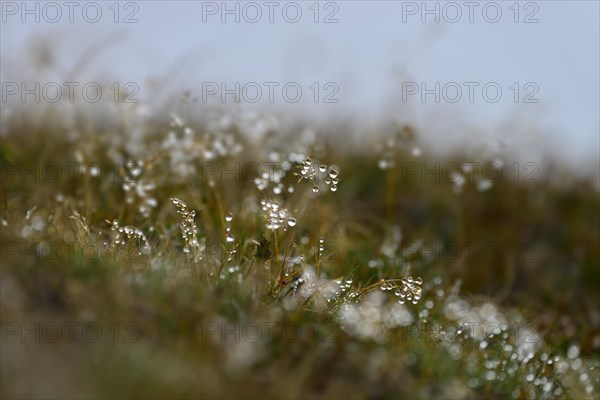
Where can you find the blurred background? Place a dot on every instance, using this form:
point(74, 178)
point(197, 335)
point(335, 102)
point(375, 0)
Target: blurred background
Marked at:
point(373, 59)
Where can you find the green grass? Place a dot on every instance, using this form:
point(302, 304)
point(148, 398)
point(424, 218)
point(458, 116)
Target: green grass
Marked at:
point(161, 312)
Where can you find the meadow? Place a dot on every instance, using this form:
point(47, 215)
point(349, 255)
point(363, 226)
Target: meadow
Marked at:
point(168, 256)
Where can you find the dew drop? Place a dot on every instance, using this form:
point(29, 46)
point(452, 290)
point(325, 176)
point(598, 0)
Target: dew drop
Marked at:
point(333, 188)
point(573, 352)
point(291, 221)
point(484, 185)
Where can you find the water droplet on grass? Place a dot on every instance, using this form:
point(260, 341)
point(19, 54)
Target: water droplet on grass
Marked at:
point(334, 172)
point(484, 185)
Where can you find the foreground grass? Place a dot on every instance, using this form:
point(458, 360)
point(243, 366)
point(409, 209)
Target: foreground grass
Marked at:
point(170, 271)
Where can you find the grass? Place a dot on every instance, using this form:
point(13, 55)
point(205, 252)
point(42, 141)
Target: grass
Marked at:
point(179, 280)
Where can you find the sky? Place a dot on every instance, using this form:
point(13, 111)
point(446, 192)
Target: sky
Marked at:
point(450, 68)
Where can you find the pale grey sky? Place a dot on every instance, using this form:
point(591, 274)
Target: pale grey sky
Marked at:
point(372, 48)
